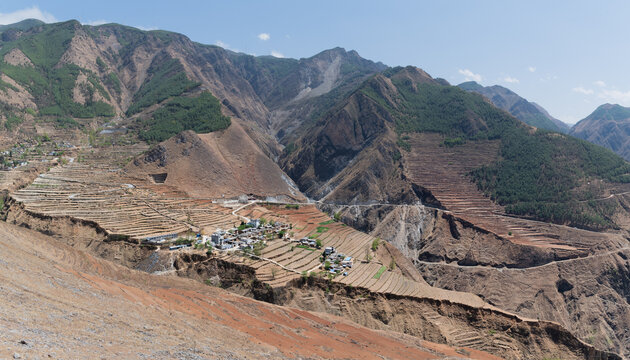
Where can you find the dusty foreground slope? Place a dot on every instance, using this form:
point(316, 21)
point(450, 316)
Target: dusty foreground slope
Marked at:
point(224, 163)
point(58, 302)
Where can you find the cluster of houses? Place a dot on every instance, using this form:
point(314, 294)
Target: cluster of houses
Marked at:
point(243, 237)
point(16, 156)
point(246, 236)
point(336, 262)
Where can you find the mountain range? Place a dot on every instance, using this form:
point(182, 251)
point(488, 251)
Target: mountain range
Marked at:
point(528, 112)
point(475, 186)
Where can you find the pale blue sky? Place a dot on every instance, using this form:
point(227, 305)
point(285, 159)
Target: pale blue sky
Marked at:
point(568, 56)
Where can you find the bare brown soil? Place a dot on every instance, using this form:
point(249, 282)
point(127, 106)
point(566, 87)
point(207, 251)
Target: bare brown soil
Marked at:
point(225, 163)
point(62, 303)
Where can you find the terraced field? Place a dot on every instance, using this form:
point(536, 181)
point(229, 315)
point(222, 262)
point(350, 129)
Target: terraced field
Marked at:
point(346, 240)
point(120, 205)
point(443, 171)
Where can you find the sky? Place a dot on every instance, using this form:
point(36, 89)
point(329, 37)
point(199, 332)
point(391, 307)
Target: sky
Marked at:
point(567, 56)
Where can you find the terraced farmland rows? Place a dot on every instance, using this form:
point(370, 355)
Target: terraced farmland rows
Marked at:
point(443, 171)
point(118, 204)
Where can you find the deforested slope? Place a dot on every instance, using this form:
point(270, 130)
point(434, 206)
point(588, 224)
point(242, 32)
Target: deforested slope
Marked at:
point(225, 163)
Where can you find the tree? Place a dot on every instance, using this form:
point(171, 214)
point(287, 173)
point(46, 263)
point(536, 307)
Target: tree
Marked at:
point(318, 243)
point(375, 244)
point(392, 265)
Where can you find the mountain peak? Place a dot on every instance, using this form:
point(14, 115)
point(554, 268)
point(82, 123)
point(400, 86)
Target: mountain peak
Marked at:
point(506, 99)
point(609, 111)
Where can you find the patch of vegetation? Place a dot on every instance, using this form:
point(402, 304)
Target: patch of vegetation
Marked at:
point(396, 155)
point(53, 90)
point(403, 144)
point(113, 82)
point(182, 241)
point(380, 272)
point(539, 175)
point(322, 229)
point(292, 206)
point(101, 64)
point(167, 78)
point(66, 123)
point(375, 244)
point(12, 122)
point(291, 147)
point(327, 222)
point(337, 216)
point(201, 114)
point(392, 265)
point(305, 247)
point(450, 142)
point(45, 48)
point(243, 227)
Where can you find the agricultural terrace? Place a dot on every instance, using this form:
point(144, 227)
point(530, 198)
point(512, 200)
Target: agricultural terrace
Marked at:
point(284, 261)
point(444, 171)
point(120, 205)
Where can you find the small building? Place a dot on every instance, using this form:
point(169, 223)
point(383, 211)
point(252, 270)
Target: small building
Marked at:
point(329, 250)
point(217, 237)
point(225, 246)
point(160, 238)
point(347, 262)
point(254, 223)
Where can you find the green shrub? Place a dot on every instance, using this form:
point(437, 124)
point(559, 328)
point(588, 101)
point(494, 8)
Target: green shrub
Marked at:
point(12, 122)
point(375, 244)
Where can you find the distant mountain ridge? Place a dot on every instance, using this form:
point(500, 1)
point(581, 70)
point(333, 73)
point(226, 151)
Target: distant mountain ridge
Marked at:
point(528, 112)
point(608, 126)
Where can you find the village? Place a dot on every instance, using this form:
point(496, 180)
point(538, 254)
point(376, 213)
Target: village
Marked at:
point(250, 238)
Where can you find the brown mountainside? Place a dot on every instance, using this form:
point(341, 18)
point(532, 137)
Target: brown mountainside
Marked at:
point(59, 302)
point(225, 163)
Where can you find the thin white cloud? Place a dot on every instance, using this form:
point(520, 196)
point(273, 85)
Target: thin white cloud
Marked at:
point(511, 80)
point(146, 28)
point(264, 36)
point(531, 69)
point(599, 83)
point(616, 96)
point(470, 76)
point(96, 22)
point(549, 78)
point(27, 13)
point(277, 54)
point(582, 90)
point(225, 46)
